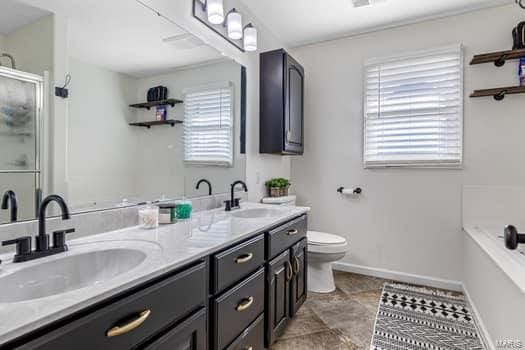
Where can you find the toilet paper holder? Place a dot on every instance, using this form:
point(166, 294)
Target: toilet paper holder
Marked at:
point(354, 191)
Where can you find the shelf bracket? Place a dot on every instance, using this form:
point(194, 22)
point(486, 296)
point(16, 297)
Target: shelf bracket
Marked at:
point(500, 62)
point(500, 96)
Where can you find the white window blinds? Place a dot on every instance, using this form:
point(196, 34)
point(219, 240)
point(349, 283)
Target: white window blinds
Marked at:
point(414, 110)
point(208, 125)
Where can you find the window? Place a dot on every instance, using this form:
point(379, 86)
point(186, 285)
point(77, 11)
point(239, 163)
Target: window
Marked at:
point(208, 125)
point(413, 110)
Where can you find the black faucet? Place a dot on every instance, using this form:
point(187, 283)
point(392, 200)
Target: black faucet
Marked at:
point(206, 182)
point(233, 203)
point(9, 202)
point(42, 247)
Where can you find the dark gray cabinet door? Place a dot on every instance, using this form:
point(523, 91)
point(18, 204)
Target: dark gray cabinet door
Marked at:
point(189, 335)
point(298, 290)
point(294, 102)
point(279, 275)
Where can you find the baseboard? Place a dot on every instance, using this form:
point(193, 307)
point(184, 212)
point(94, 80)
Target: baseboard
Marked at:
point(400, 276)
point(486, 338)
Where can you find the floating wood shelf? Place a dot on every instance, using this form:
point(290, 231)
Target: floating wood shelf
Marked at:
point(499, 58)
point(499, 93)
point(148, 125)
point(170, 101)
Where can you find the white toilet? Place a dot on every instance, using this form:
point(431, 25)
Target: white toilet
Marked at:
point(323, 250)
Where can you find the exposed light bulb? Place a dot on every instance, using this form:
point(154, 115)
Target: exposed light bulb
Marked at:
point(234, 21)
point(250, 38)
point(215, 11)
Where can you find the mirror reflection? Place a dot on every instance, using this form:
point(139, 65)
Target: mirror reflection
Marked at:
point(86, 114)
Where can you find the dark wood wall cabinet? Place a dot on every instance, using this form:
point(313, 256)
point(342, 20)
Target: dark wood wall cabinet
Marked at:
point(281, 104)
point(256, 286)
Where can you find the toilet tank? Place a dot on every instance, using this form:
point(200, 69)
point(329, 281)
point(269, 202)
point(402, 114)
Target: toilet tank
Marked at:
point(286, 200)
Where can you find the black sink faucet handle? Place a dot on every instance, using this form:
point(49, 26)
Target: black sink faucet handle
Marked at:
point(59, 238)
point(23, 245)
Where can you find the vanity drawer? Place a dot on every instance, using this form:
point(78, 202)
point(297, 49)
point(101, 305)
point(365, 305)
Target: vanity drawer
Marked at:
point(285, 236)
point(237, 262)
point(129, 321)
point(251, 338)
point(238, 308)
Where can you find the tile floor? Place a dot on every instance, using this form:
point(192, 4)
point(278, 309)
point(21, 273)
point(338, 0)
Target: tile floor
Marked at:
point(341, 320)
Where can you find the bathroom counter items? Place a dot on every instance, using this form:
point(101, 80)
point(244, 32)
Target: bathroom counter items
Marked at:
point(155, 253)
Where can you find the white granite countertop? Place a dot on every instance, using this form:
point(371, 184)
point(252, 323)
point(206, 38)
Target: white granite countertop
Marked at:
point(166, 249)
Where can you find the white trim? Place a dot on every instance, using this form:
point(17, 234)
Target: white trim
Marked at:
point(400, 276)
point(485, 335)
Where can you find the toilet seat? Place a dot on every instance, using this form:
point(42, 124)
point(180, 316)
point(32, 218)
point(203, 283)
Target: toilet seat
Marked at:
point(326, 243)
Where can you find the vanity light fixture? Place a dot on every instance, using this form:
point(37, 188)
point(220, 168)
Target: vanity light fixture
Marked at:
point(250, 38)
point(215, 11)
point(230, 27)
point(234, 24)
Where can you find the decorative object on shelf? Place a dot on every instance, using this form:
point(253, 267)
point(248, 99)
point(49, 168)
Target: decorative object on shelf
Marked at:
point(278, 187)
point(170, 102)
point(149, 124)
point(518, 36)
point(211, 14)
point(521, 71)
point(162, 113)
point(157, 93)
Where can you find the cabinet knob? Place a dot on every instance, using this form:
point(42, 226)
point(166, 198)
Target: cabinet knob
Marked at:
point(292, 232)
point(244, 258)
point(128, 327)
point(245, 304)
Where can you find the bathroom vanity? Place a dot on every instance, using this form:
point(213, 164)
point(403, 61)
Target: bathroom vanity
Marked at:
point(219, 281)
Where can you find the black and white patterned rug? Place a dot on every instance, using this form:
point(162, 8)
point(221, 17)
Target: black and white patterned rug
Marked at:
point(411, 318)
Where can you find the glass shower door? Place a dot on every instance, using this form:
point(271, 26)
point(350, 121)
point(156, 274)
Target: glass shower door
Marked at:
point(20, 127)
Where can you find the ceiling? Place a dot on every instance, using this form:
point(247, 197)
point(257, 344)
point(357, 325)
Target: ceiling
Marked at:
point(300, 22)
point(14, 14)
point(124, 36)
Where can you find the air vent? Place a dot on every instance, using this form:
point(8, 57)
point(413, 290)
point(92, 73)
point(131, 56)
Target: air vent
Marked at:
point(185, 41)
point(361, 3)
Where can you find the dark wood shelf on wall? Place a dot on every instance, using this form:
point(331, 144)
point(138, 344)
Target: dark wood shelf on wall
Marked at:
point(499, 93)
point(149, 124)
point(498, 58)
point(170, 101)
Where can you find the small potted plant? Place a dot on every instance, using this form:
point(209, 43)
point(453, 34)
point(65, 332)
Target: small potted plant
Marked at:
point(278, 187)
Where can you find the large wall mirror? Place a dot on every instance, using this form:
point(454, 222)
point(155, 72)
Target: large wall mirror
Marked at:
point(120, 145)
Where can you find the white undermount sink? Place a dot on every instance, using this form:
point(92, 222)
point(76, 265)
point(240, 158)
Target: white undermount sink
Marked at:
point(67, 274)
point(257, 213)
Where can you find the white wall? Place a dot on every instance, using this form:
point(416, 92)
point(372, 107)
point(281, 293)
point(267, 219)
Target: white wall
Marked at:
point(407, 220)
point(2, 43)
point(103, 149)
point(32, 46)
point(163, 169)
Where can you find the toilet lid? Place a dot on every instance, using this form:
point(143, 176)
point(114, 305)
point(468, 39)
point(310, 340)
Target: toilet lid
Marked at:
point(322, 238)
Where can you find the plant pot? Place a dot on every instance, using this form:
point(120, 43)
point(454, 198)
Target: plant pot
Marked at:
point(274, 191)
point(284, 191)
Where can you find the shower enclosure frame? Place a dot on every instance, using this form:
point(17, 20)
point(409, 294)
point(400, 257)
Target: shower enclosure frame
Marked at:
point(40, 87)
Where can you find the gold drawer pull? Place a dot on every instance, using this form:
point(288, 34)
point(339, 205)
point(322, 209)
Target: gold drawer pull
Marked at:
point(296, 265)
point(289, 271)
point(293, 232)
point(244, 258)
point(245, 304)
point(119, 330)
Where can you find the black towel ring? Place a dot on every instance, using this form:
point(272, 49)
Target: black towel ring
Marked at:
point(521, 3)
